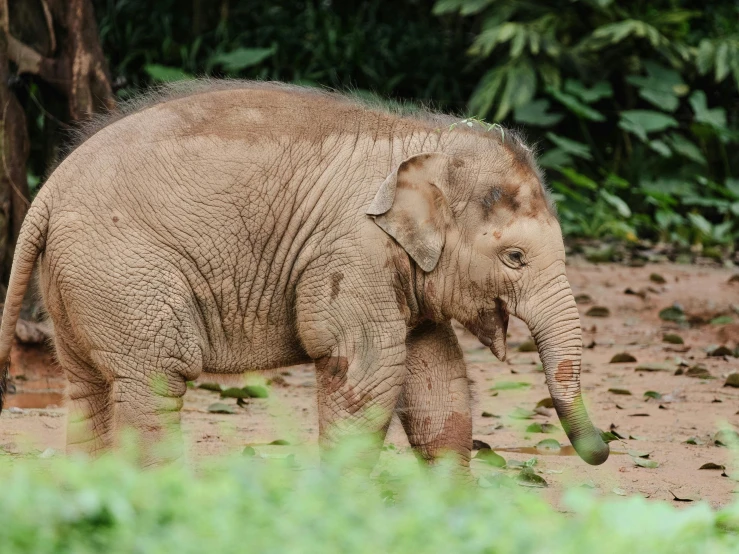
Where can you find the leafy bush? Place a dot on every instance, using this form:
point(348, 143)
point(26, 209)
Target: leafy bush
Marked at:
point(635, 106)
point(267, 505)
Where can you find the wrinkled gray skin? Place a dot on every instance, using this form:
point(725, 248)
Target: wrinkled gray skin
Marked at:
point(247, 226)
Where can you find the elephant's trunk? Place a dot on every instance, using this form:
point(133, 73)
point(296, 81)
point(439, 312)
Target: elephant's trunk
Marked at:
point(554, 323)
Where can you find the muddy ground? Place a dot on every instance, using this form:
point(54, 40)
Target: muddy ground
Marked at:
point(690, 408)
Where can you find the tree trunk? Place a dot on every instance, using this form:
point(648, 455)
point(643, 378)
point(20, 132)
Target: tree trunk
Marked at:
point(13, 155)
point(55, 41)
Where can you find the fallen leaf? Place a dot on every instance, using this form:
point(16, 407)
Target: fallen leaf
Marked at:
point(732, 380)
point(640, 293)
point(610, 436)
point(673, 313)
point(720, 351)
point(694, 441)
point(653, 394)
point(622, 358)
point(249, 452)
point(641, 462)
point(280, 442)
point(545, 403)
point(598, 311)
point(654, 366)
point(698, 372)
point(548, 445)
point(542, 411)
point(583, 299)
point(488, 414)
point(685, 497)
point(522, 413)
point(250, 391)
point(711, 465)
point(639, 415)
point(620, 391)
point(542, 428)
point(638, 454)
point(722, 320)
point(479, 445)
point(213, 387)
point(657, 278)
point(672, 338)
point(221, 408)
point(491, 458)
point(528, 478)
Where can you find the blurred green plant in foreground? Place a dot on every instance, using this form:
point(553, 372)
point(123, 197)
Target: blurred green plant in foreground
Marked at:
point(259, 504)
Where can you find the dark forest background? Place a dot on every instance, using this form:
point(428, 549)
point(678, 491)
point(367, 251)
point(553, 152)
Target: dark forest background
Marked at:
point(634, 105)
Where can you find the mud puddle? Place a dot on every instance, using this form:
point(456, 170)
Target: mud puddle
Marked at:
point(35, 400)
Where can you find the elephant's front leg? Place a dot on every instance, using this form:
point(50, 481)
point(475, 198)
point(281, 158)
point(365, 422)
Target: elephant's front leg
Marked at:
point(356, 336)
point(358, 389)
point(435, 402)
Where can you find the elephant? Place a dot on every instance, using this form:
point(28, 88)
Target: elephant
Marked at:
point(225, 226)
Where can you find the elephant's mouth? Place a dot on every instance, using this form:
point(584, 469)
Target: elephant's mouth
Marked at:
point(490, 327)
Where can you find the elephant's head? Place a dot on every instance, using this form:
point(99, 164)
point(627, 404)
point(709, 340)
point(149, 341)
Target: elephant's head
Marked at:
point(488, 242)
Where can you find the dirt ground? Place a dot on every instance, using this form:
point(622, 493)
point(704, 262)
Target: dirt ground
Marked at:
point(691, 408)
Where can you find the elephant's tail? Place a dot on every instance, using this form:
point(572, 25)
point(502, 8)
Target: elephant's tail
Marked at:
point(31, 242)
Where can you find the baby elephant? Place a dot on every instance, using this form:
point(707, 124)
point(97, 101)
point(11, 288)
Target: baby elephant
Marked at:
point(233, 226)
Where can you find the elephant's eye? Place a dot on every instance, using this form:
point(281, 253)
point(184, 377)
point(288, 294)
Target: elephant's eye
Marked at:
point(514, 259)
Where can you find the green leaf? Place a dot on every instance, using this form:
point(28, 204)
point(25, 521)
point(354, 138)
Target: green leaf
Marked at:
point(673, 313)
point(641, 462)
point(164, 74)
point(579, 179)
point(536, 113)
point(555, 158)
point(519, 89)
point(522, 413)
point(686, 148)
point(715, 117)
point(241, 58)
point(570, 146)
point(621, 207)
point(528, 478)
point(661, 148)
point(490, 457)
point(548, 446)
point(662, 86)
point(642, 122)
point(486, 92)
point(700, 223)
point(220, 408)
point(575, 106)
point(733, 186)
point(601, 89)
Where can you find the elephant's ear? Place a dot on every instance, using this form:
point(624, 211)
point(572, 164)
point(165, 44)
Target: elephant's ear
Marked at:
point(411, 207)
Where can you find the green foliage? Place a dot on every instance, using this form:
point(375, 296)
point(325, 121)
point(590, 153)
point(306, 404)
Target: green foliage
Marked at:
point(633, 105)
point(641, 141)
point(259, 504)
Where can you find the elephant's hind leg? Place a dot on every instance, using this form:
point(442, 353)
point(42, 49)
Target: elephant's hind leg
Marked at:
point(90, 413)
point(434, 406)
point(148, 396)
